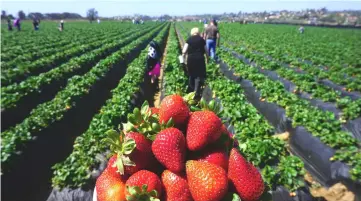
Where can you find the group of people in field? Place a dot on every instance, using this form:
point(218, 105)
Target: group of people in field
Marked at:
point(16, 24)
point(197, 50)
point(36, 24)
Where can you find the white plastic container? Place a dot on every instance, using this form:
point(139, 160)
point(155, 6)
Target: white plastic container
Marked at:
point(95, 198)
point(181, 59)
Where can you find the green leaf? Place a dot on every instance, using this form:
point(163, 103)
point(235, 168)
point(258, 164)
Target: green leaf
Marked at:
point(231, 197)
point(128, 146)
point(137, 116)
point(126, 161)
point(170, 123)
point(145, 107)
point(119, 164)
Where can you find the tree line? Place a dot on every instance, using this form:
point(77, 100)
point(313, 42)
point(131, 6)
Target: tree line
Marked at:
point(92, 15)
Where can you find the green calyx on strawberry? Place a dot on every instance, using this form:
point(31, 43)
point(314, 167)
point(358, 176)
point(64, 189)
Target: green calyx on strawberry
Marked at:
point(142, 120)
point(141, 194)
point(122, 146)
point(212, 106)
point(143, 185)
point(189, 99)
point(145, 121)
point(133, 151)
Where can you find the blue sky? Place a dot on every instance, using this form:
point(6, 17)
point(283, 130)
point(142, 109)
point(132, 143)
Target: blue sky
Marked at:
point(109, 8)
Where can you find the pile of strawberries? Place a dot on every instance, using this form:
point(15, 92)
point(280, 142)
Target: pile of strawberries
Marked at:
point(171, 153)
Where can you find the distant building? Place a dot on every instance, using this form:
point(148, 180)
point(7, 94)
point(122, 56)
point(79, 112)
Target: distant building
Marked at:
point(351, 20)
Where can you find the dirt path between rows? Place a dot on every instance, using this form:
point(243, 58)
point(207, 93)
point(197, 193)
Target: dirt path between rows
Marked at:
point(157, 95)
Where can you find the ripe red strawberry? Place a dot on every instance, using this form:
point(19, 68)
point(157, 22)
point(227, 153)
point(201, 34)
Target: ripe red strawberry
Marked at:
point(244, 177)
point(169, 147)
point(204, 127)
point(207, 182)
point(142, 154)
point(215, 155)
point(174, 107)
point(175, 187)
point(110, 188)
point(137, 182)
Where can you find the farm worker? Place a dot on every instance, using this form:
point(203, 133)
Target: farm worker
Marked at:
point(17, 24)
point(61, 26)
point(153, 60)
point(301, 29)
point(10, 27)
point(195, 48)
point(36, 24)
point(211, 37)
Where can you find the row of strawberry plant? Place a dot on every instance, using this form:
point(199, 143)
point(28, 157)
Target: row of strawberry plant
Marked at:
point(306, 82)
point(334, 49)
point(26, 58)
point(174, 79)
point(76, 170)
point(37, 49)
point(23, 40)
point(342, 75)
point(26, 39)
point(255, 134)
point(44, 115)
point(321, 124)
point(20, 73)
point(335, 74)
point(12, 94)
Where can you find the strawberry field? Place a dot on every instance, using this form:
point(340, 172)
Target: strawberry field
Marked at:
point(280, 117)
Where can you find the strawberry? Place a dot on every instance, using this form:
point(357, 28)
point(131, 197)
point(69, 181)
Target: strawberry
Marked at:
point(244, 177)
point(143, 184)
point(175, 187)
point(110, 188)
point(112, 167)
point(174, 107)
point(133, 152)
point(169, 148)
point(207, 181)
point(204, 127)
point(142, 153)
point(217, 156)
